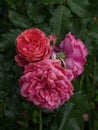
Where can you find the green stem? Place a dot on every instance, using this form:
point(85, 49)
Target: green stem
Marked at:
point(40, 120)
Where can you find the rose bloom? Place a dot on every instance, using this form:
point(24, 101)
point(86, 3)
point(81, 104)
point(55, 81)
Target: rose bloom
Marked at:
point(52, 39)
point(46, 84)
point(32, 45)
point(75, 53)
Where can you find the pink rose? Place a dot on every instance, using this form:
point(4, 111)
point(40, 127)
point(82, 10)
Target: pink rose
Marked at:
point(75, 54)
point(32, 45)
point(46, 84)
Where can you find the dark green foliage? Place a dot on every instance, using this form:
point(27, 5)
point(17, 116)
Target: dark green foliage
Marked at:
point(61, 21)
point(58, 17)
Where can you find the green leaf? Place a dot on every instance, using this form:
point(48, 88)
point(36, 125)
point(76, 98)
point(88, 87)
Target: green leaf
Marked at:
point(61, 21)
point(80, 102)
point(93, 32)
point(19, 20)
point(82, 3)
point(66, 117)
point(73, 125)
point(8, 39)
point(46, 28)
point(52, 1)
point(77, 8)
point(11, 3)
point(96, 124)
point(35, 14)
point(56, 21)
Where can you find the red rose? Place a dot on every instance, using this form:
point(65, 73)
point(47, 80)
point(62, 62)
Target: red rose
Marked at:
point(32, 45)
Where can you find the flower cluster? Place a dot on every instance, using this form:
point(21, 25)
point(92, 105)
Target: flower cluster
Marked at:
point(48, 70)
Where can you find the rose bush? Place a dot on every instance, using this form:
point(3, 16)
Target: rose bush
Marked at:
point(46, 84)
point(32, 45)
point(75, 53)
point(54, 17)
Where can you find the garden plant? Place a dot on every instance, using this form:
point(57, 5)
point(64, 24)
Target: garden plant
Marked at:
point(48, 65)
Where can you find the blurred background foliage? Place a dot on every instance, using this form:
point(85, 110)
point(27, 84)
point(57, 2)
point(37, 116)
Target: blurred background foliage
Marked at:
point(57, 17)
